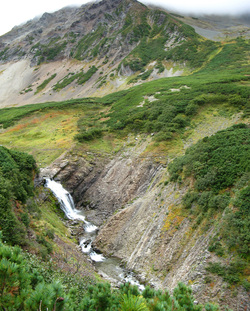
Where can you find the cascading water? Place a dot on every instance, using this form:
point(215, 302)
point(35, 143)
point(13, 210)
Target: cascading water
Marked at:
point(108, 267)
point(68, 207)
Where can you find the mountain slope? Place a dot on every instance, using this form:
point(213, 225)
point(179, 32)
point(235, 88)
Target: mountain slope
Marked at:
point(161, 166)
point(95, 49)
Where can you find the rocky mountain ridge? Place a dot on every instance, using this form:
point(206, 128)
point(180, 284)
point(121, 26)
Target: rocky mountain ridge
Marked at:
point(94, 50)
point(102, 47)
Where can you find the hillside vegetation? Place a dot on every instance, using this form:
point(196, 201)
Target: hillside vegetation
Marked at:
point(201, 166)
point(150, 35)
point(165, 106)
point(28, 286)
point(28, 283)
point(219, 166)
point(16, 174)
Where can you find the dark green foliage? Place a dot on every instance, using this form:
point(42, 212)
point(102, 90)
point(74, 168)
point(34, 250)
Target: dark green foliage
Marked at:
point(188, 48)
point(129, 289)
point(86, 135)
point(133, 303)
point(183, 295)
point(50, 233)
point(146, 74)
point(85, 43)
point(98, 48)
point(191, 109)
point(174, 110)
point(231, 54)
point(231, 273)
point(33, 208)
point(237, 224)
point(127, 23)
point(41, 240)
point(66, 80)
point(146, 52)
point(25, 219)
point(128, 298)
point(160, 67)
point(14, 279)
point(45, 83)
point(217, 248)
point(81, 78)
point(190, 197)
point(209, 307)
point(27, 284)
point(143, 76)
point(193, 51)
point(16, 173)
point(3, 54)
point(216, 162)
point(22, 289)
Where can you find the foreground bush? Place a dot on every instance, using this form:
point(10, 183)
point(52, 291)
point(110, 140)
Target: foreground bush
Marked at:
point(22, 288)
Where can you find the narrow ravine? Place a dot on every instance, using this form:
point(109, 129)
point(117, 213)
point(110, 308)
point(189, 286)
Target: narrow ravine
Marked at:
point(108, 268)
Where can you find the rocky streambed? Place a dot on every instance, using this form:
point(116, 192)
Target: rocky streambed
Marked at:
point(109, 268)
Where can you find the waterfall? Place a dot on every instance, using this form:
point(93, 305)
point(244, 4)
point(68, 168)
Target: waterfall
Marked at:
point(107, 267)
point(68, 207)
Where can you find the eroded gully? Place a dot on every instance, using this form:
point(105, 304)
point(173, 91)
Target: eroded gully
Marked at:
point(109, 268)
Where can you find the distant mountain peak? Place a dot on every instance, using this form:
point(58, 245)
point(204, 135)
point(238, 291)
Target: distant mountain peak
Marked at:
point(105, 44)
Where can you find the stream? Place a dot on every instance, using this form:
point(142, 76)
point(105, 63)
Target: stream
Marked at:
point(110, 268)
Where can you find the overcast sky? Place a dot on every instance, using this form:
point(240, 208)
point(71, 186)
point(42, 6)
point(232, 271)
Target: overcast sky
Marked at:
point(15, 12)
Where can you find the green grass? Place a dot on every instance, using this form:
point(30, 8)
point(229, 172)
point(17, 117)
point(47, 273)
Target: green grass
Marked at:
point(188, 47)
point(47, 133)
point(81, 78)
point(9, 116)
point(168, 117)
point(45, 83)
point(174, 110)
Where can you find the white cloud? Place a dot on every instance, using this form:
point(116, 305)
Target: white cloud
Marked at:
point(205, 7)
point(15, 12)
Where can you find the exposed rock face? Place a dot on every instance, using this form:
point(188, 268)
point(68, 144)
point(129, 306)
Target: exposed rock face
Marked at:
point(153, 237)
point(120, 181)
point(105, 184)
point(69, 25)
point(72, 40)
point(149, 231)
point(142, 220)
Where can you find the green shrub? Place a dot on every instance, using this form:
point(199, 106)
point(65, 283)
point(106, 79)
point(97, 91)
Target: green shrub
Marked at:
point(216, 162)
point(81, 78)
point(45, 83)
point(29, 284)
point(16, 173)
point(236, 224)
point(86, 135)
